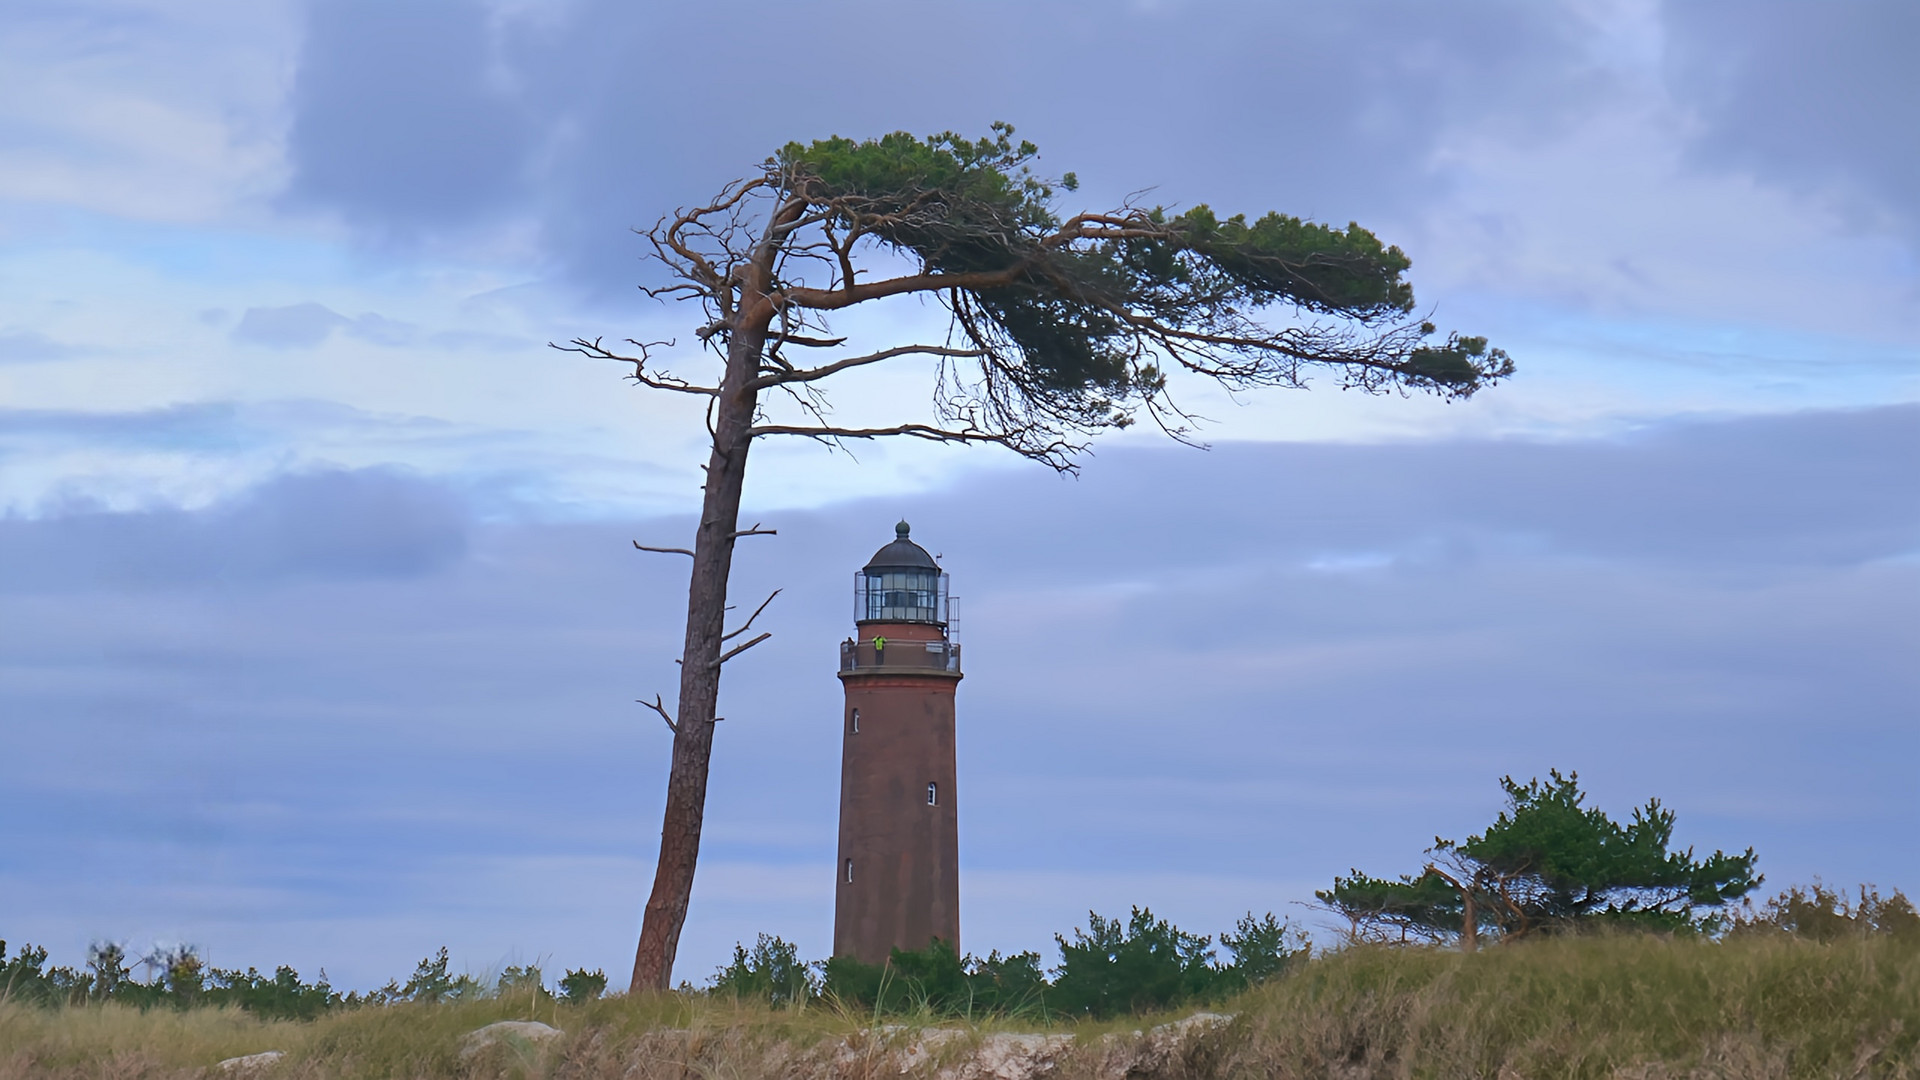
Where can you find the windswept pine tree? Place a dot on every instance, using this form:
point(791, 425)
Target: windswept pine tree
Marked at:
point(1549, 863)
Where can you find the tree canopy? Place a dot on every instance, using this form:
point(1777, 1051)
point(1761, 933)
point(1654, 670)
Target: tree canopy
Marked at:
point(1549, 863)
point(1069, 323)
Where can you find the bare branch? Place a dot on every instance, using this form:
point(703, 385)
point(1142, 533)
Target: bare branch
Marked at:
point(755, 531)
point(847, 296)
point(756, 614)
point(810, 342)
point(738, 649)
point(919, 431)
point(658, 381)
point(659, 706)
point(821, 372)
point(663, 550)
point(1056, 453)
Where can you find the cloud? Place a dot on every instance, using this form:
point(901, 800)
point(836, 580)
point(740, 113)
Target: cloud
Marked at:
point(451, 115)
point(196, 424)
point(365, 523)
point(198, 453)
point(1807, 96)
point(297, 326)
point(1521, 150)
point(349, 723)
point(394, 111)
point(151, 113)
point(303, 326)
point(29, 347)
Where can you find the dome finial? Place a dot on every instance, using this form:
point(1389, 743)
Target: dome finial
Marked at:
point(901, 530)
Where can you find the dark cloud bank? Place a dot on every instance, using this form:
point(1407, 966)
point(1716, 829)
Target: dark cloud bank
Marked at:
point(417, 121)
point(608, 115)
point(339, 721)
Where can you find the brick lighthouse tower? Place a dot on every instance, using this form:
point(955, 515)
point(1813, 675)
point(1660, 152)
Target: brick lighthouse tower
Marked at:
point(898, 875)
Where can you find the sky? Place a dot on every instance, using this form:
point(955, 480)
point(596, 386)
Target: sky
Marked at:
point(320, 625)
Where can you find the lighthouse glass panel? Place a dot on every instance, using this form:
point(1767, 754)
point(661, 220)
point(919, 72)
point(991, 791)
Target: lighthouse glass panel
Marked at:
point(903, 595)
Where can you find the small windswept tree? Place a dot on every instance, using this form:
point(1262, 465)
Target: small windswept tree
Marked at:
point(1548, 863)
point(1060, 326)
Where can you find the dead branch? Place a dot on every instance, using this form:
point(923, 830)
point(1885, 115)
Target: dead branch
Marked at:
point(809, 342)
point(658, 380)
point(1057, 453)
point(756, 614)
point(847, 296)
point(660, 706)
point(919, 431)
point(738, 649)
point(755, 531)
point(824, 370)
point(663, 550)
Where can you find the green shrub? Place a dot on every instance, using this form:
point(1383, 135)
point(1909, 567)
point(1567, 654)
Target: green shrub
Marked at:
point(772, 972)
point(26, 978)
point(1147, 963)
point(581, 985)
point(1818, 913)
point(1262, 949)
point(281, 997)
point(939, 980)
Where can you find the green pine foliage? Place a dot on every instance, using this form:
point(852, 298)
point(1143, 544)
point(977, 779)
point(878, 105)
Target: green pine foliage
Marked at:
point(1082, 329)
point(1549, 863)
point(1141, 965)
point(1114, 967)
point(579, 985)
point(1262, 949)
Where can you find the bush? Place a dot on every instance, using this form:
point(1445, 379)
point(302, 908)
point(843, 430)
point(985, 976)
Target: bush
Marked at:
point(281, 997)
point(26, 978)
point(1822, 914)
point(1146, 964)
point(1262, 948)
point(580, 985)
point(937, 979)
point(773, 972)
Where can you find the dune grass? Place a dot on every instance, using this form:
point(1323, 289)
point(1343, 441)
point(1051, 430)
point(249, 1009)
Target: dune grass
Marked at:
point(1627, 1006)
point(1606, 1006)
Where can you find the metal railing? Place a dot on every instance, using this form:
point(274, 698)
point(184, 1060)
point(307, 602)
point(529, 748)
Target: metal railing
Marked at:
point(900, 656)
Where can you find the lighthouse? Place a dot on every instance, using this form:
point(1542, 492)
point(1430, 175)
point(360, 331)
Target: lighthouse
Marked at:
point(898, 873)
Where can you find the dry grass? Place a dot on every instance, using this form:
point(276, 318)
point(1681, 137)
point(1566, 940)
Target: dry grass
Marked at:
point(1630, 1008)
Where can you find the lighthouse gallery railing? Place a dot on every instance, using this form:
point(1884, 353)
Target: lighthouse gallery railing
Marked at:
point(900, 656)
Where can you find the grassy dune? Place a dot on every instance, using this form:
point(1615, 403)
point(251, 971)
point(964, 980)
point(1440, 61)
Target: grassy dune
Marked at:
point(1626, 1007)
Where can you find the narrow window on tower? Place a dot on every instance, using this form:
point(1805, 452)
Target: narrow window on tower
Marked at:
point(854, 727)
point(849, 869)
point(933, 794)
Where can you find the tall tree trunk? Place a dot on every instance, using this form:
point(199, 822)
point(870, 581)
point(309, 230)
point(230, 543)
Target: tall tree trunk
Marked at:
point(666, 910)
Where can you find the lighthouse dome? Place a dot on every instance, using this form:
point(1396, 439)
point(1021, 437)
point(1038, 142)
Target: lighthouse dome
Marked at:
point(902, 554)
point(902, 584)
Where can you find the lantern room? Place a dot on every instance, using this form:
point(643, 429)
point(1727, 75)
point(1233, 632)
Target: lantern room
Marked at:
point(901, 584)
